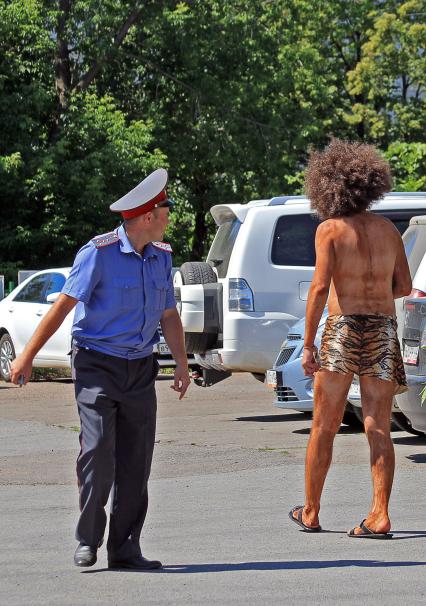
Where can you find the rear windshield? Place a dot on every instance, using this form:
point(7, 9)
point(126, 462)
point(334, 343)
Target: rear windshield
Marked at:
point(400, 218)
point(223, 243)
point(294, 236)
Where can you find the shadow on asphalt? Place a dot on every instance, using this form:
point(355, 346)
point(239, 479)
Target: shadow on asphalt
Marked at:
point(274, 418)
point(292, 565)
point(417, 458)
point(344, 430)
point(409, 440)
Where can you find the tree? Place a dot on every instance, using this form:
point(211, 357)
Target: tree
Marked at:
point(67, 151)
point(392, 74)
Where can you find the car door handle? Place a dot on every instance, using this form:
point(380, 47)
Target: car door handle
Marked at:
point(11, 310)
point(40, 312)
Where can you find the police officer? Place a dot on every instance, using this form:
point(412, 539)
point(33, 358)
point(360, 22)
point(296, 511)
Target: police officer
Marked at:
point(121, 285)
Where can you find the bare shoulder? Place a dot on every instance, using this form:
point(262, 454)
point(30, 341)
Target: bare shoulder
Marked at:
point(327, 228)
point(380, 219)
point(386, 226)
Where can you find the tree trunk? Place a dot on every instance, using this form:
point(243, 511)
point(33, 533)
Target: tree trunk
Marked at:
point(118, 39)
point(62, 60)
point(200, 235)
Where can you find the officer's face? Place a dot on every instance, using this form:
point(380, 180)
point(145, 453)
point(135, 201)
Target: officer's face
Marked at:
point(160, 221)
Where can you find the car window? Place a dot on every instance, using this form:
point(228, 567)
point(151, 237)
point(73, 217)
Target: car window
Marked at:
point(400, 218)
point(294, 240)
point(56, 283)
point(33, 292)
point(223, 243)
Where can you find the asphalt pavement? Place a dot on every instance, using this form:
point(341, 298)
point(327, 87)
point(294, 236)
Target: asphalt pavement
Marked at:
point(227, 469)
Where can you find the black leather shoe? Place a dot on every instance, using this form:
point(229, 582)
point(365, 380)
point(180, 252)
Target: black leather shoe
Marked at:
point(136, 563)
point(85, 555)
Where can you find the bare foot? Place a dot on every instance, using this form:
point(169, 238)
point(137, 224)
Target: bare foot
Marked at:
point(308, 518)
point(376, 523)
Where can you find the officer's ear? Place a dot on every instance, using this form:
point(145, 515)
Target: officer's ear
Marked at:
point(147, 218)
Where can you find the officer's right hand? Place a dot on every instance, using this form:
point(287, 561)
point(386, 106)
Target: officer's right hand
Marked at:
point(20, 370)
point(181, 380)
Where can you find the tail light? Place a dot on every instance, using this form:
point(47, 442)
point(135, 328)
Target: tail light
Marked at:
point(414, 294)
point(417, 294)
point(240, 295)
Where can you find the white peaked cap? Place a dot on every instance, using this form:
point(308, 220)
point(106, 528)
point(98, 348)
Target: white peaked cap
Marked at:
point(144, 196)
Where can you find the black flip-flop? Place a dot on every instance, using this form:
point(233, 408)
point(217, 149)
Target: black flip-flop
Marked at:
point(367, 533)
point(298, 520)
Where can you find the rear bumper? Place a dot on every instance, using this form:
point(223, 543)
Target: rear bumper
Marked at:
point(410, 402)
point(251, 342)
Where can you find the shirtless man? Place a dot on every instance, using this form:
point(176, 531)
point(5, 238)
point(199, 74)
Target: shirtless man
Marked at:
point(361, 268)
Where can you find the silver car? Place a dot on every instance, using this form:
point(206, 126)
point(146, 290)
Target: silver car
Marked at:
point(293, 390)
point(414, 329)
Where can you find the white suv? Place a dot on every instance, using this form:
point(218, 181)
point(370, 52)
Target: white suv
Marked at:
point(237, 308)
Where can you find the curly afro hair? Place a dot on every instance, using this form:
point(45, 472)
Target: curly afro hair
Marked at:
point(346, 178)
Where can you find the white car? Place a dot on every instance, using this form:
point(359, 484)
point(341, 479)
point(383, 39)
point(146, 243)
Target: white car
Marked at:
point(21, 312)
point(239, 306)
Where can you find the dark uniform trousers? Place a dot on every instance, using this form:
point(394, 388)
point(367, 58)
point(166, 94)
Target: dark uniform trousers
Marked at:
point(117, 406)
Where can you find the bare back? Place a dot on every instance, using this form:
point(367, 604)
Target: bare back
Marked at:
point(369, 262)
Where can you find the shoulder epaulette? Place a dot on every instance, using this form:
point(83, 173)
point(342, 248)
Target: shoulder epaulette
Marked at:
point(105, 239)
point(163, 246)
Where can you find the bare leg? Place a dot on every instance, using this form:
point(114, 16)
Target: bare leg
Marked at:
point(330, 396)
point(376, 397)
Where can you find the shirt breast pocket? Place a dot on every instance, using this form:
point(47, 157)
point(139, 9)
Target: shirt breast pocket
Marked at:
point(128, 292)
point(157, 299)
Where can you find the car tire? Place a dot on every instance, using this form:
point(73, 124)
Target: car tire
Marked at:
point(353, 417)
point(404, 424)
point(399, 422)
point(259, 376)
point(7, 355)
point(196, 272)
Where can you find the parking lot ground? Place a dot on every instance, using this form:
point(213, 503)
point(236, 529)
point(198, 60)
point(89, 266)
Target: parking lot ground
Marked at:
point(227, 468)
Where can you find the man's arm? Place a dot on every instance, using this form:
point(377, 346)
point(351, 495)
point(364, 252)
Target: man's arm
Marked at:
point(401, 279)
point(318, 293)
point(22, 365)
point(173, 333)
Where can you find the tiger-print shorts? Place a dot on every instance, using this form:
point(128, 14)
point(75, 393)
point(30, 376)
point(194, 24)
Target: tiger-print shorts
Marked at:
point(366, 345)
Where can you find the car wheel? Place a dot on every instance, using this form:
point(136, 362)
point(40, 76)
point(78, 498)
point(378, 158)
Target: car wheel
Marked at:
point(353, 416)
point(7, 355)
point(259, 376)
point(404, 424)
point(398, 421)
point(195, 272)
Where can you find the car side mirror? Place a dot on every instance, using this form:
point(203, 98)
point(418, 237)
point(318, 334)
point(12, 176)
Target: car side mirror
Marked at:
point(54, 296)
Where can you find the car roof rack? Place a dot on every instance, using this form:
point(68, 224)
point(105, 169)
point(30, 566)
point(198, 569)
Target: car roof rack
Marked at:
point(407, 194)
point(278, 200)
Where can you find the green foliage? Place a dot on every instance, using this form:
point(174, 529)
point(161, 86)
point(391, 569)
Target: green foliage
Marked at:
point(392, 73)
point(408, 162)
point(230, 96)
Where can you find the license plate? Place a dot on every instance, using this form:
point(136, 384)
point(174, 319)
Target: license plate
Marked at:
point(163, 348)
point(354, 391)
point(271, 378)
point(411, 354)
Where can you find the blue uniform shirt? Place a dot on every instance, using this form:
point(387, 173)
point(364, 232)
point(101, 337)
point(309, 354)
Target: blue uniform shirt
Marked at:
point(121, 295)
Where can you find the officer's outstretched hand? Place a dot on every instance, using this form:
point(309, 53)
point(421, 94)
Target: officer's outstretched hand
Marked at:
point(182, 380)
point(20, 370)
